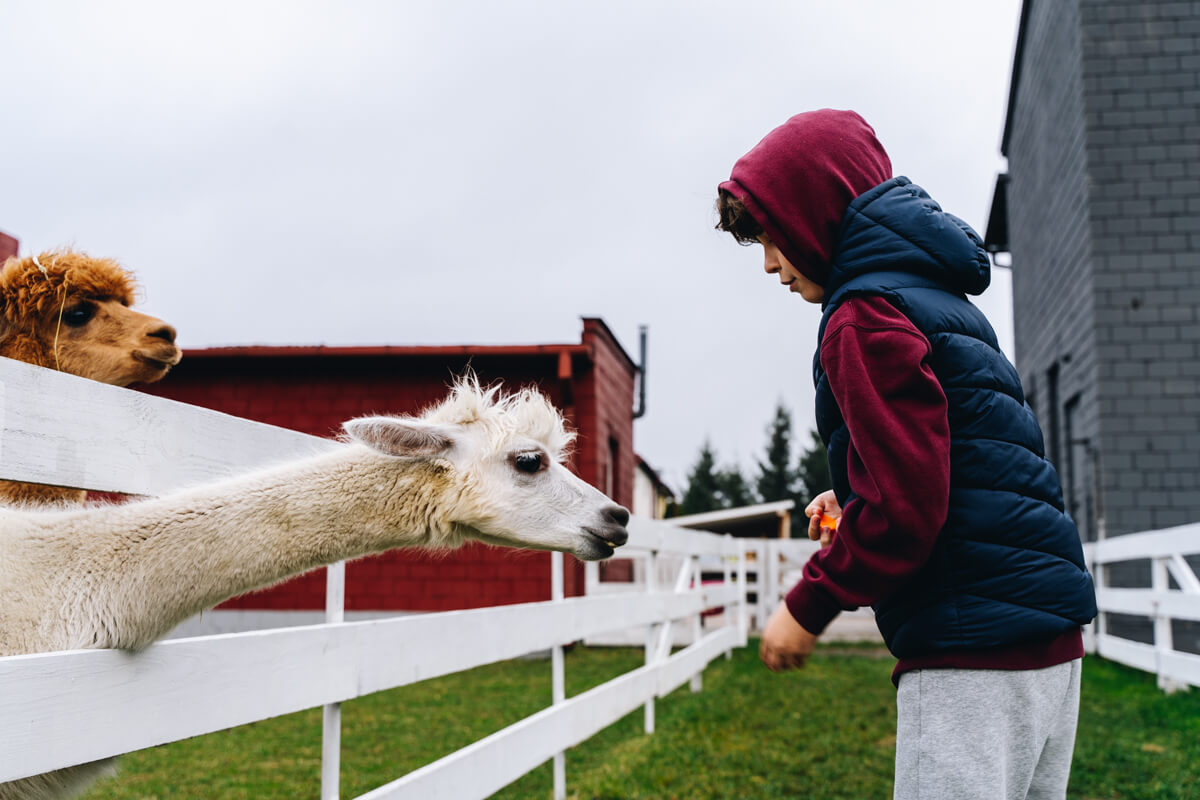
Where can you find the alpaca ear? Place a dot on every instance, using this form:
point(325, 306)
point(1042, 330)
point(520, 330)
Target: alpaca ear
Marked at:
point(397, 436)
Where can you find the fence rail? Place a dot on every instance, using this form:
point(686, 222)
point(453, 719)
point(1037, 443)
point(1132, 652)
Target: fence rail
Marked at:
point(66, 431)
point(59, 708)
point(488, 765)
point(66, 708)
point(1167, 551)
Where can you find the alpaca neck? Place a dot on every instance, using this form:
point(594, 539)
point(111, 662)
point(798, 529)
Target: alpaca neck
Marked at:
point(25, 346)
point(15, 493)
point(180, 554)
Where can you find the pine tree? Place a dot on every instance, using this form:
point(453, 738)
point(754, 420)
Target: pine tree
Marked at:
point(703, 490)
point(734, 488)
point(776, 478)
point(813, 472)
point(711, 488)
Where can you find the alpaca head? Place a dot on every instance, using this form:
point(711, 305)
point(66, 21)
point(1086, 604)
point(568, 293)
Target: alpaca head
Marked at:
point(504, 457)
point(68, 311)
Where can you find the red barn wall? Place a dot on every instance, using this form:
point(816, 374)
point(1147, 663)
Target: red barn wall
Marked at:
point(605, 445)
point(8, 247)
point(314, 390)
point(607, 429)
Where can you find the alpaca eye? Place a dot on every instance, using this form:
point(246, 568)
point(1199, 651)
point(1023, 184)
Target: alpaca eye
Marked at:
point(528, 463)
point(79, 315)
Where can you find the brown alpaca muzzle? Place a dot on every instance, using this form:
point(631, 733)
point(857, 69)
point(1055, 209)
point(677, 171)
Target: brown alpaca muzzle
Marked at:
point(157, 352)
point(158, 360)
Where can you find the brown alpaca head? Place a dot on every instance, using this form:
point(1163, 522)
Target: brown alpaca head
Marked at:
point(65, 310)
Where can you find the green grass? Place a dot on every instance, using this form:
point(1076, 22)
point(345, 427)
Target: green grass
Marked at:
point(1135, 742)
point(824, 732)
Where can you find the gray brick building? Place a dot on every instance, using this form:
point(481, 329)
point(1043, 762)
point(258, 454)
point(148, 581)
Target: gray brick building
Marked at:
point(1100, 211)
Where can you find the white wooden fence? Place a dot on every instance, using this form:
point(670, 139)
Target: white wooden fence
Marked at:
point(61, 709)
point(66, 708)
point(1167, 551)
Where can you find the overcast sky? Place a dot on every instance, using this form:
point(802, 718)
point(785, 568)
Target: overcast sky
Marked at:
point(443, 172)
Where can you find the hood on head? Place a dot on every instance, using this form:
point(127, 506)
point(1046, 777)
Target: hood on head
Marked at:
point(800, 179)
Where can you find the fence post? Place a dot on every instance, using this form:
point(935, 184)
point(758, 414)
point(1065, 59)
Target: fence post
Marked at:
point(769, 582)
point(558, 675)
point(331, 724)
point(1098, 581)
point(743, 605)
point(651, 632)
point(697, 682)
point(1164, 639)
point(591, 577)
point(1089, 631)
point(727, 613)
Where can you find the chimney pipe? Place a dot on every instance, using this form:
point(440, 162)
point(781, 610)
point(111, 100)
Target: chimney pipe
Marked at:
point(641, 406)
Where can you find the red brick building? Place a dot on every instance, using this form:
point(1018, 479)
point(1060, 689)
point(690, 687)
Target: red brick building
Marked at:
point(314, 389)
point(8, 247)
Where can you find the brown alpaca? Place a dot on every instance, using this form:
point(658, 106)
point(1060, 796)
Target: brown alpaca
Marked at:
point(68, 311)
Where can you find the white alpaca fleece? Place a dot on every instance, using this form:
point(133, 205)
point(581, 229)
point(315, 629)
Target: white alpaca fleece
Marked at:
point(479, 465)
point(526, 413)
point(122, 576)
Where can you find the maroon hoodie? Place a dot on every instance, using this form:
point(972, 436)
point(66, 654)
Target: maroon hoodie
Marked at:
point(799, 180)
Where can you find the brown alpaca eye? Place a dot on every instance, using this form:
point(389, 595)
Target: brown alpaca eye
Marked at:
point(528, 462)
point(79, 315)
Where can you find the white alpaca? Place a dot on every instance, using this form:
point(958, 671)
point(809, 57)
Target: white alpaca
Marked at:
point(479, 466)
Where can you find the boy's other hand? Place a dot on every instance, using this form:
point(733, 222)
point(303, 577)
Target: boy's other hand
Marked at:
point(785, 643)
point(824, 503)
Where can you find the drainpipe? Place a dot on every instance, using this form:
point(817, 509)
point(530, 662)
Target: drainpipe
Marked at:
point(641, 406)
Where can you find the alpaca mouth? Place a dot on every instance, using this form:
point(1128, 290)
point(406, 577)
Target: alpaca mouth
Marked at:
point(162, 361)
point(607, 541)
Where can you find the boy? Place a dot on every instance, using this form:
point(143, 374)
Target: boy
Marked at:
point(950, 519)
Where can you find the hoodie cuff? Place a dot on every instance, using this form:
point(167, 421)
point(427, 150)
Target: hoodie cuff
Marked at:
point(811, 607)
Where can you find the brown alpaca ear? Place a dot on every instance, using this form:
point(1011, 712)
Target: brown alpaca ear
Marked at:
point(396, 436)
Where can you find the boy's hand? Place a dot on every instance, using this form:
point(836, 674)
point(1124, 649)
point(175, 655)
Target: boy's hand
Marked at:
point(824, 503)
point(785, 643)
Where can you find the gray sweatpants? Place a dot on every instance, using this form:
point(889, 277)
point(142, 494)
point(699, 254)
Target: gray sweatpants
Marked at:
point(965, 734)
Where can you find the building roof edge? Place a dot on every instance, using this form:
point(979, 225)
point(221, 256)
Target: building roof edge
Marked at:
point(1015, 75)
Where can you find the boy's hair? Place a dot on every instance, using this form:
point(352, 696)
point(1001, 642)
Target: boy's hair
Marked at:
point(736, 219)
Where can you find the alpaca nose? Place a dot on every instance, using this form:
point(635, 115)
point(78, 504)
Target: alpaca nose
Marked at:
point(618, 515)
point(163, 331)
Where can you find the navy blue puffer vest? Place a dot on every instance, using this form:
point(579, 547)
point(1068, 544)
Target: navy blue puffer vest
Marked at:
point(1008, 565)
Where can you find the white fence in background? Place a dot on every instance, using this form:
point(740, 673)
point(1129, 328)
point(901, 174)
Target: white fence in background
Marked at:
point(1163, 603)
point(773, 567)
point(784, 560)
point(66, 708)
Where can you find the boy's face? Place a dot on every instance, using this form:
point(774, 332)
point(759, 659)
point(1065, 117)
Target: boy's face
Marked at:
point(775, 264)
